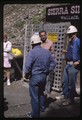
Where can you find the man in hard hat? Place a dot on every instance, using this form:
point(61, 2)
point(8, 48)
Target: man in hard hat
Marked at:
point(39, 62)
point(72, 57)
point(47, 44)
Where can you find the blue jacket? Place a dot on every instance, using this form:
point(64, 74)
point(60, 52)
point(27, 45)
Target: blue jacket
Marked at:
point(73, 50)
point(39, 60)
point(76, 50)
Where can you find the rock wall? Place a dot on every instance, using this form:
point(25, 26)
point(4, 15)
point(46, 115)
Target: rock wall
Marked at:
point(14, 20)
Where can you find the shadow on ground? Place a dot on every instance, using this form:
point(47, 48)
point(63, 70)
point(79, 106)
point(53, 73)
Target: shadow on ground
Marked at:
point(48, 101)
point(5, 105)
point(54, 108)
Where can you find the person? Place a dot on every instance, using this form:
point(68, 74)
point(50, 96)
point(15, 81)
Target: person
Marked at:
point(39, 62)
point(47, 44)
point(72, 57)
point(76, 52)
point(7, 46)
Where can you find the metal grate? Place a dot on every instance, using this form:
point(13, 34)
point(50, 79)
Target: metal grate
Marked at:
point(60, 29)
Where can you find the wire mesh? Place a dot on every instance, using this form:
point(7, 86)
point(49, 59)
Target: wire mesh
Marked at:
point(60, 29)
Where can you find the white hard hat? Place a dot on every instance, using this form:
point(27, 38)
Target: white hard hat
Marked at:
point(71, 29)
point(35, 39)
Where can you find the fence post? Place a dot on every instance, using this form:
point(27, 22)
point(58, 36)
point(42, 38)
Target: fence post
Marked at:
point(24, 47)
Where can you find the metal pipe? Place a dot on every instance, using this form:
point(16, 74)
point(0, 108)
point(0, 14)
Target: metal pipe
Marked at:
point(24, 47)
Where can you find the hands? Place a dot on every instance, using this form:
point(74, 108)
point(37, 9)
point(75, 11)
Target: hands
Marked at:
point(64, 51)
point(76, 63)
point(27, 75)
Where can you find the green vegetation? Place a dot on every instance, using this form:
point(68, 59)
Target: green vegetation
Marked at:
point(19, 24)
point(13, 36)
point(36, 19)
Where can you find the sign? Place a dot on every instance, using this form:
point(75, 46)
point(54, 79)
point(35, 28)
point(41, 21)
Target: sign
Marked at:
point(53, 37)
point(63, 13)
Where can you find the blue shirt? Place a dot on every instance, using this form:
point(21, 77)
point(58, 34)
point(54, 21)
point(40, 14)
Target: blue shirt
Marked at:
point(39, 60)
point(73, 50)
point(76, 50)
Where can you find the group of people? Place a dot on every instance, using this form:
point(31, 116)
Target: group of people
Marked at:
point(40, 62)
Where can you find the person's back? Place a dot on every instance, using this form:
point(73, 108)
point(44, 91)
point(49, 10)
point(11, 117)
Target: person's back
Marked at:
point(41, 59)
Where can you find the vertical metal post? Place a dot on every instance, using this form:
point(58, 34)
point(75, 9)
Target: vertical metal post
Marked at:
point(25, 47)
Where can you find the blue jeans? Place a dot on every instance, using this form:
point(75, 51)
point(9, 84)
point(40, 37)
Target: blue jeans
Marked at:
point(36, 89)
point(69, 81)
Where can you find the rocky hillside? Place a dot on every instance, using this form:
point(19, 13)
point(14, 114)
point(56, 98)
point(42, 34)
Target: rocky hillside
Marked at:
point(15, 16)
